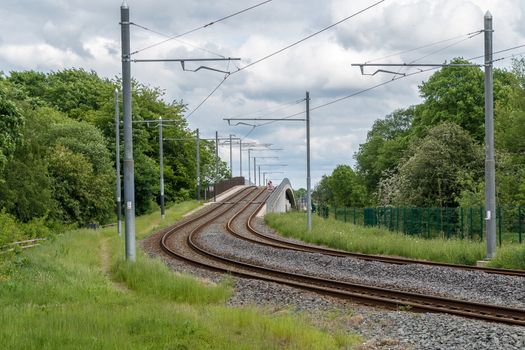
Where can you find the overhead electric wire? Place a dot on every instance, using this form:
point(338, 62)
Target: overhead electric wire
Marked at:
point(440, 49)
point(207, 97)
point(468, 35)
point(500, 51)
point(279, 107)
point(283, 49)
point(520, 54)
point(200, 27)
point(309, 36)
point(179, 40)
point(384, 83)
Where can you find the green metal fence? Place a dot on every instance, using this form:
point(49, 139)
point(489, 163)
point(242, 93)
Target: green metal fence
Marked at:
point(436, 222)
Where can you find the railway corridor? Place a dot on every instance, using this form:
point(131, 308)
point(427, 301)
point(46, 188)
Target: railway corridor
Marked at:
point(226, 237)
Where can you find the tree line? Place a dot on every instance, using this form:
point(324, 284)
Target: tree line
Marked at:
point(57, 151)
point(432, 154)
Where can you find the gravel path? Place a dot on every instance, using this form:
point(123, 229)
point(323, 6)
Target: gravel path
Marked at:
point(380, 329)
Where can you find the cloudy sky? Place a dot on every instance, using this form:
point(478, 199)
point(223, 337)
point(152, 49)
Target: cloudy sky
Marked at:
point(49, 35)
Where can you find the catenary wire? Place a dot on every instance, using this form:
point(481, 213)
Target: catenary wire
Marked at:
point(279, 107)
point(469, 35)
point(207, 97)
point(176, 39)
point(440, 49)
point(382, 84)
point(309, 36)
point(201, 27)
point(281, 50)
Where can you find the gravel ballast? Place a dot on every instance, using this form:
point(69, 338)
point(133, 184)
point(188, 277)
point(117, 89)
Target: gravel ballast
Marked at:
point(381, 329)
point(429, 280)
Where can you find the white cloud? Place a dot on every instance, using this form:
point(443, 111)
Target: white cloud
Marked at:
point(54, 34)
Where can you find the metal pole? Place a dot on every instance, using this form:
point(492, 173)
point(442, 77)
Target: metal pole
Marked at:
point(118, 191)
point(240, 157)
point(231, 157)
point(490, 171)
point(129, 177)
point(308, 179)
point(259, 168)
point(255, 171)
point(161, 165)
point(216, 166)
point(249, 170)
point(198, 166)
point(264, 178)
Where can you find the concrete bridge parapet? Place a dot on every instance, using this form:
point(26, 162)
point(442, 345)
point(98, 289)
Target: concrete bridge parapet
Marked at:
point(282, 198)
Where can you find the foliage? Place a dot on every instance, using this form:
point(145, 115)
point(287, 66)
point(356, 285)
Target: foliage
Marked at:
point(376, 240)
point(346, 189)
point(10, 123)
point(432, 172)
point(300, 193)
point(385, 145)
point(341, 188)
point(322, 193)
point(63, 295)
point(401, 165)
point(59, 165)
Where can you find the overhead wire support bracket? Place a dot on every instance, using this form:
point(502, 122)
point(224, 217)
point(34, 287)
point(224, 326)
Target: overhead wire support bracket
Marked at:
point(240, 120)
point(184, 60)
point(415, 65)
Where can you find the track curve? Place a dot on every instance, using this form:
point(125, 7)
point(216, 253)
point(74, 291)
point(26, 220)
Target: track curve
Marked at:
point(180, 241)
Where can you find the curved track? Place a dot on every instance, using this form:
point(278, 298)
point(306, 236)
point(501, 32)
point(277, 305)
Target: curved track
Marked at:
point(181, 242)
point(283, 243)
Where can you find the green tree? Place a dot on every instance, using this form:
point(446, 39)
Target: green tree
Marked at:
point(385, 145)
point(345, 187)
point(432, 172)
point(456, 94)
point(83, 195)
point(11, 122)
point(322, 193)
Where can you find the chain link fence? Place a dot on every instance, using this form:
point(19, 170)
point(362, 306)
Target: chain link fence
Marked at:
point(463, 223)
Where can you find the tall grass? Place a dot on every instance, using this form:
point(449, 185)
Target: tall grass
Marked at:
point(349, 237)
point(61, 296)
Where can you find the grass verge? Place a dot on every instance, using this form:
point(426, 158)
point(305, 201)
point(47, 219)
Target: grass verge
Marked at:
point(62, 296)
point(353, 238)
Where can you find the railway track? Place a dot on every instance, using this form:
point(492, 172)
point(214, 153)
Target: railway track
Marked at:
point(181, 241)
point(283, 243)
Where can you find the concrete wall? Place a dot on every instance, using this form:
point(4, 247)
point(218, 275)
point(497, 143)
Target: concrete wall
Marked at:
point(282, 199)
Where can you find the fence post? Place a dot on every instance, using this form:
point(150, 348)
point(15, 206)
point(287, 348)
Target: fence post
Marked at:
point(520, 227)
point(462, 223)
point(421, 230)
point(447, 222)
point(354, 216)
point(471, 223)
point(428, 222)
point(344, 213)
point(481, 223)
point(500, 223)
point(335, 212)
point(397, 219)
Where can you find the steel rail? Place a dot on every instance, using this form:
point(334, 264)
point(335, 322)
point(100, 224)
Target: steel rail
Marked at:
point(280, 242)
point(356, 292)
point(199, 215)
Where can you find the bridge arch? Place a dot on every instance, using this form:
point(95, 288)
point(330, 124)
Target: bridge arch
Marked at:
point(282, 198)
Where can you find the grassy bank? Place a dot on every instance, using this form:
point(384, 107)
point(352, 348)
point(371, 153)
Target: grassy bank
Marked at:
point(346, 236)
point(77, 292)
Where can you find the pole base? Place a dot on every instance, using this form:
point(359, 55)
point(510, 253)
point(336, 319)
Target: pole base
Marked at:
point(482, 263)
